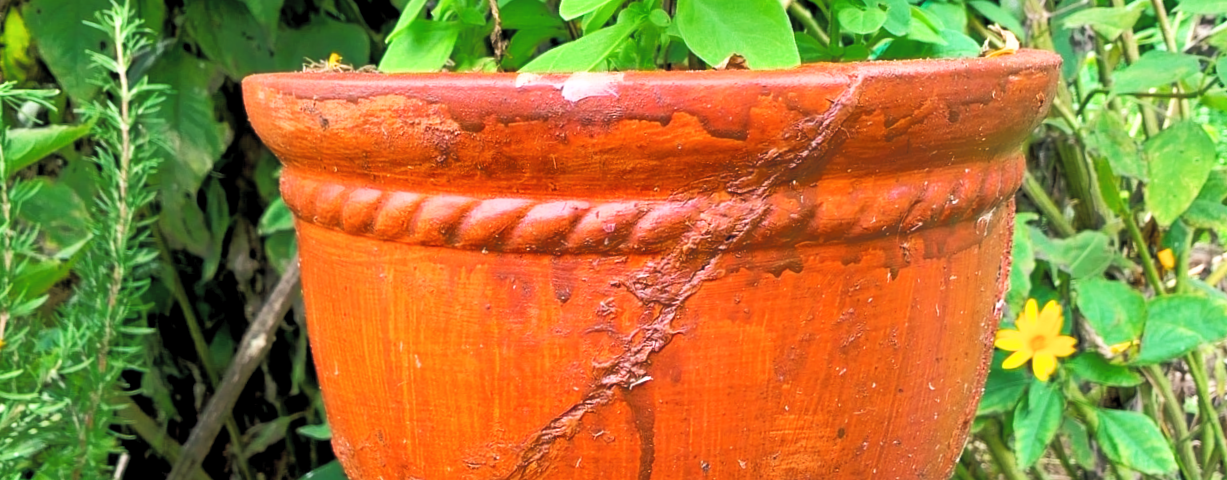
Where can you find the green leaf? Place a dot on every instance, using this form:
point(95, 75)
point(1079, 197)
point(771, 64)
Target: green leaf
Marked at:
point(1108, 22)
point(524, 43)
point(596, 20)
point(957, 45)
point(1109, 138)
point(1023, 264)
point(195, 139)
point(1176, 324)
point(952, 15)
point(528, 14)
point(408, 16)
point(218, 212)
point(15, 61)
point(994, 13)
point(925, 28)
point(36, 278)
point(1086, 254)
point(262, 435)
point(571, 9)
point(24, 146)
point(1180, 159)
point(1092, 367)
point(63, 42)
point(265, 11)
point(280, 248)
point(1114, 310)
point(1155, 68)
point(424, 46)
point(331, 471)
point(1220, 69)
point(276, 218)
point(1036, 421)
point(860, 17)
point(758, 30)
point(1133, 440)
point(58, 211)
point(318, 40)
point(1206, 214)
point(1003, 387)
point(898, 16)
point(230, 36)
point(321, 432)
point(585, 54)
point(1207, 7)
point(1079, 443)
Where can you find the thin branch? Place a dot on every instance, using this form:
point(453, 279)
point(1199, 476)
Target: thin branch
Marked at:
point(252, 349)
point(149, 431)
point(496, 36)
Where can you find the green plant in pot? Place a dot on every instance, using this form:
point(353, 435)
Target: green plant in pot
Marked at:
point(607, 239)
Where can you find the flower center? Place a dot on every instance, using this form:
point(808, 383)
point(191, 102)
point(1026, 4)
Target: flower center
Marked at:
point(1038, 342)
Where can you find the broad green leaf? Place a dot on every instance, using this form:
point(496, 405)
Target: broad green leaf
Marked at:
point(1206, 214)
point(898, 16)
point(15, 61)
point(860, 16)
point(1079, 443)
point(60, 214)
point(1003, 387)
point(63, 41)
point(319, 39)
point(1207, 7)
point(996, 14)
point(276, 218)
point(1109, 137)
point(424, 46)
point(263, 435)
point(810, 50)
point(925, 28)
point(36, 278)
point(758, 30)
point(1220, 69)
point(280, 248)
point(1180, 159)
point(408, 16)
point(1108, 22)
point(230, 36)
point(331, 471)
point(24, 146)
point(1115, 310)
point(528, 14)
point(265, 11)
point(1092, 367)
point(597, 19)
point(1134, 441)
point(1023, 264)
point(957, 45)
point(952, 15)
point(1086, 254)
point(195, 139)
point(1036, 421)
point(218, 211)
point(585, 54)
point(321, 432)
point(571, 9)
point(1155, 68)
point(1176, 324)
point(524, 43)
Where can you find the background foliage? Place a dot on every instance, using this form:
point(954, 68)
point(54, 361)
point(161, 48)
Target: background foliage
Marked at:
point(1120, 219)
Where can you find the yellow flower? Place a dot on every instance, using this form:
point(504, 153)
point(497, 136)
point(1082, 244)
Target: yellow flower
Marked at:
point(1122, 347)
point(1167, 258)
point(1037, 338)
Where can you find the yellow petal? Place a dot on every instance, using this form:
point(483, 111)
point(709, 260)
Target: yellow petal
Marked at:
point(1050, 320)
point(1043, 365)
point(1026, 321)
point(1061, 346)
point(1017, 359)
point(1009, 340)
point(1121, 347)
point(1167, 259)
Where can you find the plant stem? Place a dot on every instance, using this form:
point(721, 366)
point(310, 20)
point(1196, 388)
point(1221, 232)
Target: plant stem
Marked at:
point(170, 277)
point(1218, 274)
point(1197, 367)
point(961, 473)
point(1175, 419)
point(1148, 262)
point(1000, 453)
point(1047, 207)
point(811, 25)
point(1059, 451)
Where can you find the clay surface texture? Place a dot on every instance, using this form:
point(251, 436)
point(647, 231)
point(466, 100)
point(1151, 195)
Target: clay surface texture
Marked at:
point(654, 275)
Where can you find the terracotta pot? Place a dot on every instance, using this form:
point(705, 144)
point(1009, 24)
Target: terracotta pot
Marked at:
point(665, 275)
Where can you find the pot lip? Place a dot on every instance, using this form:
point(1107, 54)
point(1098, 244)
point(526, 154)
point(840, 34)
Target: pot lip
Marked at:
point(1023, 59)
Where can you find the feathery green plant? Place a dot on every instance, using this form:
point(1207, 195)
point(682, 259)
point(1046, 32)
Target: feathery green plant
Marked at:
point(59, 374)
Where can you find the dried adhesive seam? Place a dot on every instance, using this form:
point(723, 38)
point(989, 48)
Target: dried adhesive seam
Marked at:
point(665, 286)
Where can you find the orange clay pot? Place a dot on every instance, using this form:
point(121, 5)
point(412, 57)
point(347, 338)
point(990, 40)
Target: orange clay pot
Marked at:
point(654, 275)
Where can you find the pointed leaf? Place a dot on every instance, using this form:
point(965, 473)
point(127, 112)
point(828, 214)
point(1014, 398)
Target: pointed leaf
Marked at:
point(758, 30)
point(1036, 421)
point(1134, 441)
point(1180, 159)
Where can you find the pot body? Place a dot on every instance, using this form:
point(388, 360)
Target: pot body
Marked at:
point(758, 275)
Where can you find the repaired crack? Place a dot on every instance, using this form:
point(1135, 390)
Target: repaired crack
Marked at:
point(665, 286)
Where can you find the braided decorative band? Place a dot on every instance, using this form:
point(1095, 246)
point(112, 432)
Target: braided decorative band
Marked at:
point(830, 211)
